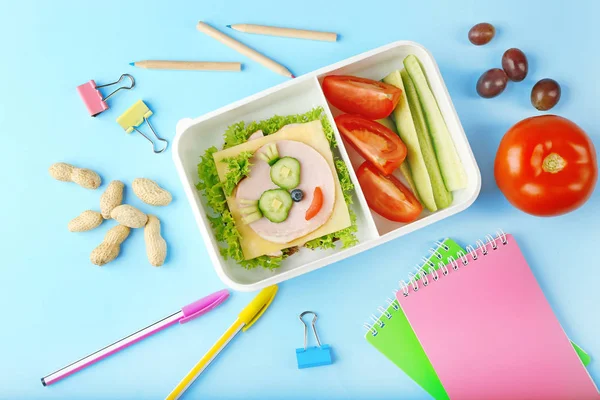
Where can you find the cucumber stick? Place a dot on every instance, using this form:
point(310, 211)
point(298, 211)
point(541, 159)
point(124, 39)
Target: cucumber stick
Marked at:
point(404, 168)
point(452, 169)
point(443, 197)
point(406, 130)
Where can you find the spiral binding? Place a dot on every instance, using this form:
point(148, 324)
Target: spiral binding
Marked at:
point(383, 313)
point(420, 274)
point(426, 273)
point(480, 249)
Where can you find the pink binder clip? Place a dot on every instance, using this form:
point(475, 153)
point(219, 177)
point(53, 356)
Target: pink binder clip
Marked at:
point(92, 98)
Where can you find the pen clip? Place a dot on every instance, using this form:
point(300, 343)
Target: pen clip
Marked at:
point(203, 305)
point(266, 297)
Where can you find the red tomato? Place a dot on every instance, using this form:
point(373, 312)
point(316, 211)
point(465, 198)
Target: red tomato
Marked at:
point(353, 95)
point(546, 166)
point(315, 205)
point(387, 196)
point(376, 143)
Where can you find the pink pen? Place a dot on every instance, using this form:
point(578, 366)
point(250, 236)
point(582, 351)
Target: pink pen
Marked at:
point(186, 314)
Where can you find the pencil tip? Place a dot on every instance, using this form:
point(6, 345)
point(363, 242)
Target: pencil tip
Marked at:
point(229, 26)
point(132, 64)
point(293, 76)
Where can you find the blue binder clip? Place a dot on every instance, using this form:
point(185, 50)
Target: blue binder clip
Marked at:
point(315, 356)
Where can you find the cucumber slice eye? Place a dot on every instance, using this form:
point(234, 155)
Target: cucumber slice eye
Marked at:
point(285, 173)
point(275, 205)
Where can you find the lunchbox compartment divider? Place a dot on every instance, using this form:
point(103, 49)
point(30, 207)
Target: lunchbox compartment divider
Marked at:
point(359, 195)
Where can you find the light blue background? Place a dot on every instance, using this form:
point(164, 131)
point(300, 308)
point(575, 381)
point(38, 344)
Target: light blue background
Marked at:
point(57, 307)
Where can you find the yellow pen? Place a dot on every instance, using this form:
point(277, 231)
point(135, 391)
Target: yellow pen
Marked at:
point(245, 320)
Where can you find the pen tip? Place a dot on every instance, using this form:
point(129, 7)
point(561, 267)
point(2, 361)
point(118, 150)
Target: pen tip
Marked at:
point(229, 26)
point(132, 64)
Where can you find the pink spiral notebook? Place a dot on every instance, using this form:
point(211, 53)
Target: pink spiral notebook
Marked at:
point(488, 330)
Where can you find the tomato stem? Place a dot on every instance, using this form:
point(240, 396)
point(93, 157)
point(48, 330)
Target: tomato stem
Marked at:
point(553, 163)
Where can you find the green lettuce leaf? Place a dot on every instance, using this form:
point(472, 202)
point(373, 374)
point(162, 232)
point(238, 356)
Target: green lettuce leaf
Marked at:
point(215, 192)
point(237, 169)
point(209, 182)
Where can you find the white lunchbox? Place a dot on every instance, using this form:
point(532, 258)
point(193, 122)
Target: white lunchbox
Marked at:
point(297, 96)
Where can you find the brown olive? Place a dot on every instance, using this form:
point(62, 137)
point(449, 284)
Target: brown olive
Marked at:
point(545, 94)
point(481, 33)
point(492, 83)
point(514, 63)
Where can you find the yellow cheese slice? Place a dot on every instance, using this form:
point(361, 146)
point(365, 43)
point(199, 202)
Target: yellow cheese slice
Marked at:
point(310, 133)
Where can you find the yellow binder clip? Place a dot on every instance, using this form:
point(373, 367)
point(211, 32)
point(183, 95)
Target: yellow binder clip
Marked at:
point(135, 116)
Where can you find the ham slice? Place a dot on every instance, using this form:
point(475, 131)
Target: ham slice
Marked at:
point(314, 171)
point(256, 135)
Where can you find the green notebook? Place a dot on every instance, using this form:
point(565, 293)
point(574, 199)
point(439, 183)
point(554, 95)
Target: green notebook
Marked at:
point(393, 336)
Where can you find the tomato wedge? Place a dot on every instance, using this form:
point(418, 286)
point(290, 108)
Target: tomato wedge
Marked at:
point(376, 143)
point(315, 205)
point(366, 97)
point(387, 196)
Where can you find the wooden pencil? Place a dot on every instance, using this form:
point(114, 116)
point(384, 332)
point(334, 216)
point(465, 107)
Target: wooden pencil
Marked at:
point(243, 49)
point(188, 65)
point(285, 32)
